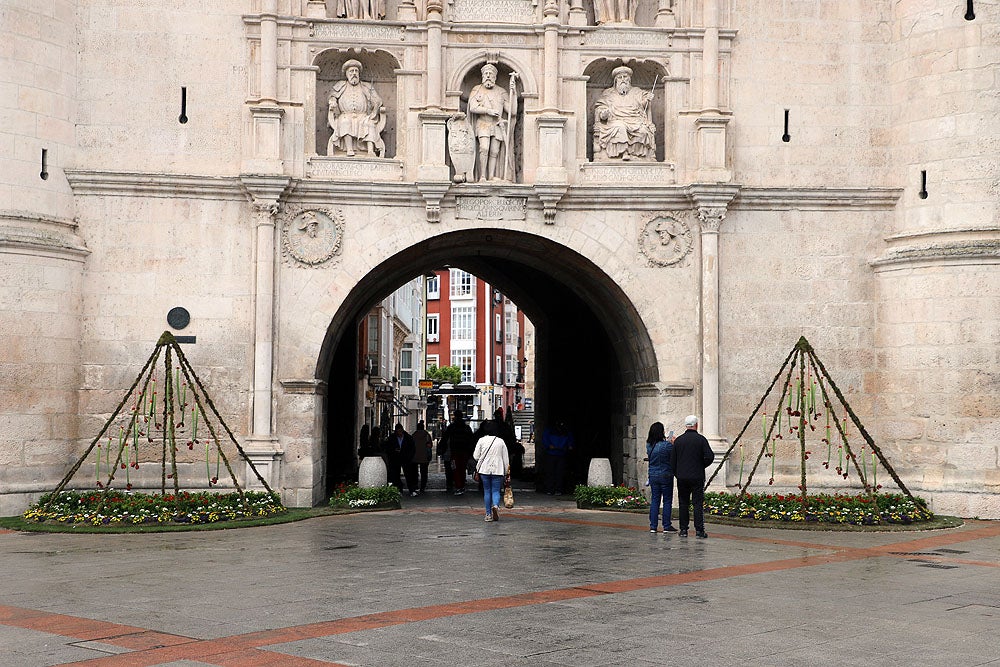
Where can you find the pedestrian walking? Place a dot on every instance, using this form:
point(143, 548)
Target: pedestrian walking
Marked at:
point(423, 449)
point(493, 468)
point(458, 439)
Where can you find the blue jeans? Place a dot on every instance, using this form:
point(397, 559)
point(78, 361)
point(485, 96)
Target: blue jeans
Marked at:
point(662, 488)
point(492, 491)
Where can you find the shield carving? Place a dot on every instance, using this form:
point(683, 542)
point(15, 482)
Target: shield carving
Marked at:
point(461, 147)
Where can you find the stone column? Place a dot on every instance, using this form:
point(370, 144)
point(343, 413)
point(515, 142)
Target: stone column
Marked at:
point(434, 11)
point(711, 219)
point(269, 51)
point(711, 123)
point(550, 89)
point(263, 345)
point(265, 142)
point(712, 201)
point(262, 445)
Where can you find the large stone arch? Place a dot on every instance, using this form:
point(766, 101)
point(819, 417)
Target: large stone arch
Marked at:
point(593, 345)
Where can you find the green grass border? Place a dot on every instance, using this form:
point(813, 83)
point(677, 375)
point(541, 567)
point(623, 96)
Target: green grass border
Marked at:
point(17, 523)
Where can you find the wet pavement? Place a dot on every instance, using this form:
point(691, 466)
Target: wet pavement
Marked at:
point(433, 584)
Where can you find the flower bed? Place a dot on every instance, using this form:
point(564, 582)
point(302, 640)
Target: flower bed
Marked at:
point(609, 497)
point(351, 496)
point(859, 510)
point(115, 508)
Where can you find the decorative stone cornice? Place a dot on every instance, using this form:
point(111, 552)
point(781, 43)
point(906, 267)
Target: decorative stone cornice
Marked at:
point(941, 254)
point(26, 233)
point(816, 198)
point(660, 389)
point(309, 386)
point(139, 184)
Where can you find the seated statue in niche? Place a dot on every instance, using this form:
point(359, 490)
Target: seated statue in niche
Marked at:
point(623, 121)
point(368, 10)
point(615, 11)
point(355, 114)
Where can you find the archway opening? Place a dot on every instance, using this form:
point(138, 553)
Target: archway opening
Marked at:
point(591, 346)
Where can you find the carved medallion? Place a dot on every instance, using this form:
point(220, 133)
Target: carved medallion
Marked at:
point(312, 236)
point(665, 240)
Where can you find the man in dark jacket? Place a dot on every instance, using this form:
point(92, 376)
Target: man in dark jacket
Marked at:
point(689, 458)
point(459, 440)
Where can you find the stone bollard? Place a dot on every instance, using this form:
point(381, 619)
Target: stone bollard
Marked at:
point(372, 473)
point(599, 473)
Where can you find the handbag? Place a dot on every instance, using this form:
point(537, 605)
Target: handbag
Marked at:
point(508, 497)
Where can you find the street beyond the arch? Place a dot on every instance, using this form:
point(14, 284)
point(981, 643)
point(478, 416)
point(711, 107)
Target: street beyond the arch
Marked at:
point(432, 584)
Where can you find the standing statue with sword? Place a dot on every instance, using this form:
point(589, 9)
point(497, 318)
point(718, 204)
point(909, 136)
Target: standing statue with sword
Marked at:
point(487, 105)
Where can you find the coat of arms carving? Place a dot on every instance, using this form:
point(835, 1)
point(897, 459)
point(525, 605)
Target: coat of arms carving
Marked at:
point(312, 236)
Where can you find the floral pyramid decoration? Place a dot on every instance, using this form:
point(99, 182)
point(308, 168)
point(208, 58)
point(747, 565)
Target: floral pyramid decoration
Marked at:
point(166, 409)
point(810, 405)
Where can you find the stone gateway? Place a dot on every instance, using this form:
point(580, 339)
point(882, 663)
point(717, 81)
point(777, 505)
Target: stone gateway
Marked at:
point(290, 163)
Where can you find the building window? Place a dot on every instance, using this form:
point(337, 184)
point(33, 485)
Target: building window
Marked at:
point(511, 379)
point(465, 360)
point(498, 335)
point(463, 323)
point(462, 283)
point(432, 360)
point(433, 288)
point(499, 367)
point(374, 344)
point(433, 328)
point(406, 366)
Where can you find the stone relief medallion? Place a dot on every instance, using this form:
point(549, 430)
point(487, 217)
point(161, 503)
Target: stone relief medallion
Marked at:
point(312, 236)
point(665, 240)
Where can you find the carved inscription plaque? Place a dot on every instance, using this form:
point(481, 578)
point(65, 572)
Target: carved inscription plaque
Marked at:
point(360, 33)
point(351, 169)
point(493, 11)
point(491, 208)
point(660, 173)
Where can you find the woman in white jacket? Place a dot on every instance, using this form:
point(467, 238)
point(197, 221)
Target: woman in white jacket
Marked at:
point(493, 466)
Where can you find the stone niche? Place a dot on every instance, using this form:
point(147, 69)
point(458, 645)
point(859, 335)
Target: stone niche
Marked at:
point(472, 79)
point(643, 76)
point(644, 12)
point(378, 69)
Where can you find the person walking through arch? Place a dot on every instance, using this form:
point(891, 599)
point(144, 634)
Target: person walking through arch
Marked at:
point(493, 468)
point(661, 477)
point(423, 446)
point(459, 440)
point(690, 456)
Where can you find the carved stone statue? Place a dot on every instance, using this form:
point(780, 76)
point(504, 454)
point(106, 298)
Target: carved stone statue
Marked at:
point(355, 114)
point(615, 11)
point(623, 121)
point(361, 9)
point(461, 147)
point(487, 106)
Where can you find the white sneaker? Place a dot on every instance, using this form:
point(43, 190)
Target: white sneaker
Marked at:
point(489, 518)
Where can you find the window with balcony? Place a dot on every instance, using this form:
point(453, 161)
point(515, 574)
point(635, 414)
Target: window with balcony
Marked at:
point(465, 360)
point(463, 323)
point(433, 287)
point(462, 283)
point(433, 328)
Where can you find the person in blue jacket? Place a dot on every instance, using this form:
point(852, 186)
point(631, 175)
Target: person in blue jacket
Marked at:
point(661, 476)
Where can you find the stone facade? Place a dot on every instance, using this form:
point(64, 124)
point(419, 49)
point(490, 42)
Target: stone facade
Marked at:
point(825, 169)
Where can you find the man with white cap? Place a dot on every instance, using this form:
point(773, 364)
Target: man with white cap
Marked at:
point(689, 458)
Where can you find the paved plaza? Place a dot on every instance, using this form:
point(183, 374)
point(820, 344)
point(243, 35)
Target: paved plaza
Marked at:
point(433, 584)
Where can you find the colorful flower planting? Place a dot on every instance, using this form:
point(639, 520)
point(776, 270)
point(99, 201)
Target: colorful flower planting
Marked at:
point(858, 510)
point(116, 508)
point(354, 497)
point(609, 497)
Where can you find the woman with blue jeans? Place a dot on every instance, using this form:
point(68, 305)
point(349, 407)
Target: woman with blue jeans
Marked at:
point(493, 467)
point(661, 477)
